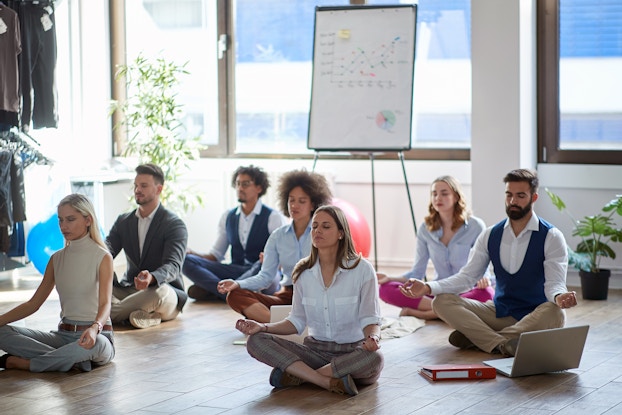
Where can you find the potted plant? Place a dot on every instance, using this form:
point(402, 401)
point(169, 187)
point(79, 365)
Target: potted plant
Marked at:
point(151, 114)
point(597, 232)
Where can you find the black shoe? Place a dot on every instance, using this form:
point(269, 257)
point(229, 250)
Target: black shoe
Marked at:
point(508, 348)
point(83, 366)
point(281, 379)
point(461, 341)
point(199, 294)
point(3, 359)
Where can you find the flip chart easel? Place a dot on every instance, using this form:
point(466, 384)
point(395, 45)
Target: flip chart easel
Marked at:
point(362, 86)
point(373, 195)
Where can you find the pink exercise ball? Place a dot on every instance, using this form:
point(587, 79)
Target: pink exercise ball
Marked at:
point(361, 235)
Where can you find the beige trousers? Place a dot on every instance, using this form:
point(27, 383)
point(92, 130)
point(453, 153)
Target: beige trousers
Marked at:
point(478, 321)
point(161, 299)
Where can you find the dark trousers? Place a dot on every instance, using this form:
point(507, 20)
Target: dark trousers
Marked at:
point(37, 64)
point(207, 274)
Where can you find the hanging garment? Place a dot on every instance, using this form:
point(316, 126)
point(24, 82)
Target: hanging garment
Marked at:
point(10, 48)
point(38, 64)
point(18, 191)
point(6, 215)
point(5, 243)
point(17, 246)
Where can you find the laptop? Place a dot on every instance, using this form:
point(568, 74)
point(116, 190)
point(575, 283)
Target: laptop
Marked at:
point(544, 351)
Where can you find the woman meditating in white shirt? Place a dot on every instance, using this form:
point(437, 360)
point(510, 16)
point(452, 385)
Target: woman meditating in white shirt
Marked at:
point(336, 296)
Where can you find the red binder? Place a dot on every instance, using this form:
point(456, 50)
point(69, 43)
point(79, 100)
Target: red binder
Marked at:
point(453, 372)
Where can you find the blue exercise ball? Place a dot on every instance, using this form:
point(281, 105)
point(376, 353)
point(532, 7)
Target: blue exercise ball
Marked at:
point(43, 240)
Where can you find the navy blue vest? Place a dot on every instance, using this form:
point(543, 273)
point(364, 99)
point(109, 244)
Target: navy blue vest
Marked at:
point(519, 294)
point(256, 238)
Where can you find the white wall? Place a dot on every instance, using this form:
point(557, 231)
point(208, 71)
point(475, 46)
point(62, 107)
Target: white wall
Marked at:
point(351, 181)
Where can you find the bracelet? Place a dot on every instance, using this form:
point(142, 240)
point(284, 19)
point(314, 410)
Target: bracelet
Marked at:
point(375, 337)
point(100, 326)
point(265, 328)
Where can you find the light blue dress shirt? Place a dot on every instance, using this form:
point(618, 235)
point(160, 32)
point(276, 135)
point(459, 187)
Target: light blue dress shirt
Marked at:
point(447, 260)
point(284, 249)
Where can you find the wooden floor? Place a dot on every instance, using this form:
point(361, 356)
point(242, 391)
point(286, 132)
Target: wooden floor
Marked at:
point(190, 366)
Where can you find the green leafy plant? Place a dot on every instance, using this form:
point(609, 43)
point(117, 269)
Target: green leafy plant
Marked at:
point(151, 114)
point(597, 232)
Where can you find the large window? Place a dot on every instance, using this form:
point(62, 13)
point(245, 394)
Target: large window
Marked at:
point(248, 92)
point(442, 83)
point(273, 66)
point(184, 32)
point(579, 82)
point(273, 62)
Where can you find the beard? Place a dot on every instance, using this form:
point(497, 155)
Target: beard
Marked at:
point(517, 214)
point(142, 200)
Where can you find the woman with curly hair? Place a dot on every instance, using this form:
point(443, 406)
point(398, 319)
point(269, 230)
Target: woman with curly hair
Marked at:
point(300, 194)
point(446, 238)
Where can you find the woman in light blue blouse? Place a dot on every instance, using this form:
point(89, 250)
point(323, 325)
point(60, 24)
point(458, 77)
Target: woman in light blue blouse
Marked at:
point(300, 194)
point(446, 239)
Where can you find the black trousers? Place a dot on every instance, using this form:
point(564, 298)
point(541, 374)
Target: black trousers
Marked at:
point(37, 63)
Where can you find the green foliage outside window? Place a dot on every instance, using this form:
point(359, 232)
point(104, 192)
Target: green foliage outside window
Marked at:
point(151, 116)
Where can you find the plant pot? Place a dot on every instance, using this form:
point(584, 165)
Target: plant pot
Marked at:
point(595, 286)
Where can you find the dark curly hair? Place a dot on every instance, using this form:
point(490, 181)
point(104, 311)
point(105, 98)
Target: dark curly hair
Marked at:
point(257, 174)
point(313, 184)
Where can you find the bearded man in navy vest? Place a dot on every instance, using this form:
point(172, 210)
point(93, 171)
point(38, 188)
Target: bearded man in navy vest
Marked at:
point(245, 229)
point(530, 261)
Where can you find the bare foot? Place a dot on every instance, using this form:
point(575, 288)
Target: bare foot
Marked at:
point(422, 314)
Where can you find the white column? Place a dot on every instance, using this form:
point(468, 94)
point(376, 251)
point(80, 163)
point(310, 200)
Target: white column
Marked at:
point(503, 98)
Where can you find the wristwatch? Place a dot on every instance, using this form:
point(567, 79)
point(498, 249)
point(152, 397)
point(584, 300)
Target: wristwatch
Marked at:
point(100, 326)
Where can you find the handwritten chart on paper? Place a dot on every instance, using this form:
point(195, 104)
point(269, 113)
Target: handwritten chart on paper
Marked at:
point(363, 60)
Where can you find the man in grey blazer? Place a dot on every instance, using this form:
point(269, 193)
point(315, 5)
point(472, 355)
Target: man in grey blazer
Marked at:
point(154, 240)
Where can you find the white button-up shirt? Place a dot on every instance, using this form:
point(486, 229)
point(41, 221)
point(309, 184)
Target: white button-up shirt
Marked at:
point(512, 253)
point(275, 221)
point(143, 227)
point(339, 312)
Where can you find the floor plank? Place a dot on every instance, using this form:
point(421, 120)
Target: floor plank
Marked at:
point(190, 366)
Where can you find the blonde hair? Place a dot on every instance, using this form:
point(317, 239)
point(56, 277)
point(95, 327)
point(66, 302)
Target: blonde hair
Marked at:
point(84, 206)
point(461, 212)
point(345, 250)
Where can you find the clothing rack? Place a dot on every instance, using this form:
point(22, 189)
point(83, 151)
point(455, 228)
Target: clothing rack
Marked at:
point(20, 142)
point(24, 146)
point(33, 1)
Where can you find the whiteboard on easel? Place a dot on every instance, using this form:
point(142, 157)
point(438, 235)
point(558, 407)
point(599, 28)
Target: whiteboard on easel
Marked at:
point(362, 86)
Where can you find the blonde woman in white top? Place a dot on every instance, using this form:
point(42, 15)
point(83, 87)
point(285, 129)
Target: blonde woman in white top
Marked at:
point(82, 273)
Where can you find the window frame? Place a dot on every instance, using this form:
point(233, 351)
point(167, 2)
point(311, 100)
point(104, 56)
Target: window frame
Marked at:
point(548, 55)
point(226, 100)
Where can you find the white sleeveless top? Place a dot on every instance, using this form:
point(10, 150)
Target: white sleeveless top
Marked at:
point(76, 273)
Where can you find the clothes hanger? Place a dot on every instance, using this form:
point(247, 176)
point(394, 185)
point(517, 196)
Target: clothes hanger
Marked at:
point(17, 143)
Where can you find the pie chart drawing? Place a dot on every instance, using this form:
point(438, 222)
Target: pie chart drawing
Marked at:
point(385, 120)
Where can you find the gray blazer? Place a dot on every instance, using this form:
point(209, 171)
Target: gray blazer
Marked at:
point(163, 252)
